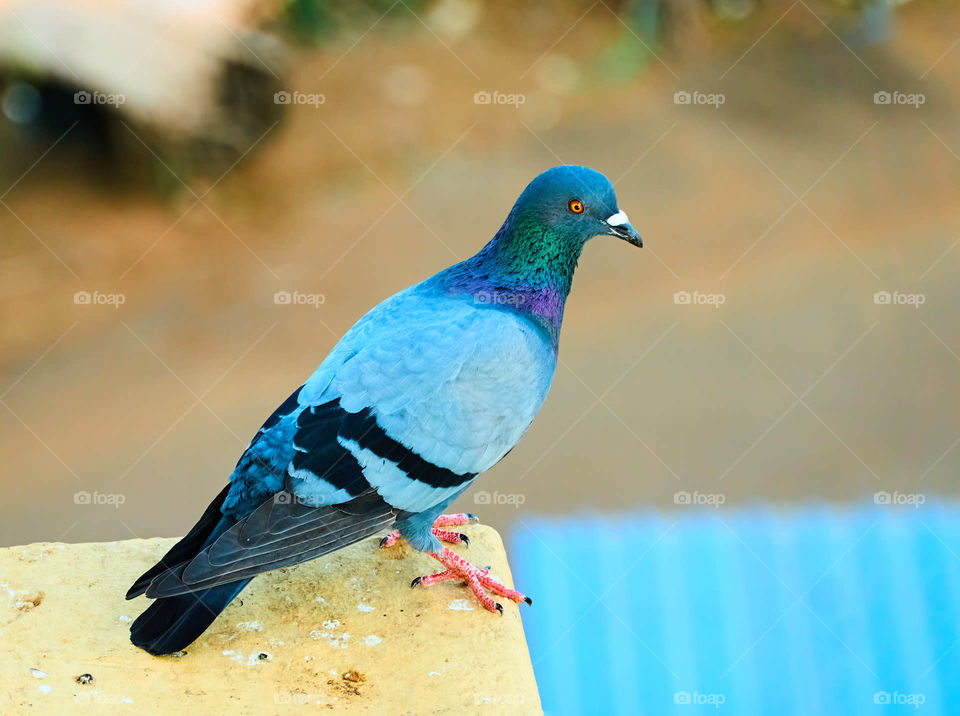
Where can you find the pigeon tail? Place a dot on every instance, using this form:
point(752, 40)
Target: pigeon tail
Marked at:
point(170, 624)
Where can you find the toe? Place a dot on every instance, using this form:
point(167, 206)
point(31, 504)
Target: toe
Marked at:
point(499, 608)
point(416, 582)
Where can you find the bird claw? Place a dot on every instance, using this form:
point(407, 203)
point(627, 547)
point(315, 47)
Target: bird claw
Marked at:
point(460, 518)
point(479, 580)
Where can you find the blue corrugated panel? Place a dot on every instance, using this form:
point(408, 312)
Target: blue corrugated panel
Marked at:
point(801, 611)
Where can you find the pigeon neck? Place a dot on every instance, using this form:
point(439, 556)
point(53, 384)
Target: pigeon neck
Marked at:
point(524, 269)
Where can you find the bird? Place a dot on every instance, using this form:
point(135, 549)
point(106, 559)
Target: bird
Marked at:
point(429, 389)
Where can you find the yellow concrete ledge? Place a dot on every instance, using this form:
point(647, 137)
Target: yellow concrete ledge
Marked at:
point(345, 631)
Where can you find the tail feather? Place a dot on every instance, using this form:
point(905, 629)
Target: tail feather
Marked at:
point(172, 623)
point(210, 523)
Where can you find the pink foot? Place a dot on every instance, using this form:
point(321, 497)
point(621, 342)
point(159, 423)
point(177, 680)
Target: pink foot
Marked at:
point(477, 579)
point(460, 518)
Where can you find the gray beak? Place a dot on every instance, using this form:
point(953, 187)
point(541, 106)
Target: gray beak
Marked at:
point(620, 227)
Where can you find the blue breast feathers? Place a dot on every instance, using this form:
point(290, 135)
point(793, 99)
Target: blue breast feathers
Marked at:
point(421, 395)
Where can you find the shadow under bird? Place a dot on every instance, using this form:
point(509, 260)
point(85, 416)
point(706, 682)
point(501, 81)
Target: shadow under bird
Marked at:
point(425, 392)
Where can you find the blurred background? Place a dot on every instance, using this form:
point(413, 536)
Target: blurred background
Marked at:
point(197, 200)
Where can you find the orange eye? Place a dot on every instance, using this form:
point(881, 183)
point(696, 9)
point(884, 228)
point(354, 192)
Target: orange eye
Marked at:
point(576, 206)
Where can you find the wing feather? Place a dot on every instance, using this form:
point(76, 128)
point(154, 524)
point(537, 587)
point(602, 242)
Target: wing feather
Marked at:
point(281, 532)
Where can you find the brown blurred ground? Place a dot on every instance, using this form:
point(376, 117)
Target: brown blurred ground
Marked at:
point(699, 398)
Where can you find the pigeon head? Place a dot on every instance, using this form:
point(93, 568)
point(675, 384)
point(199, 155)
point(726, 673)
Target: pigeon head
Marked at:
point(571, 204)
point(540, 242)
point(528, 265)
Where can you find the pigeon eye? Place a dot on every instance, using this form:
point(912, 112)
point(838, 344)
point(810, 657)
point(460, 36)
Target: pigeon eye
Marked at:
point(576, 206)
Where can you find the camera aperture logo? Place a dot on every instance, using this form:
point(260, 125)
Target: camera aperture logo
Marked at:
point(86, 298)
point(709, 99)
point(299, 698)
point(899, 499)
point(285, 298)
point(696, 698)
point(911, 99)
point(886, 698)
point(514, 100)
point(313, 99)
point(499, 498)
point(499, 298)
point(699, 298)
point(98, 98)
point(899, 298)
point(696, 497)
point(99, 498)
point(290, 498)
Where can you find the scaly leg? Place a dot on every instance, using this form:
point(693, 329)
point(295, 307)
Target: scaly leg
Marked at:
point(477, 579)
point(460, 518)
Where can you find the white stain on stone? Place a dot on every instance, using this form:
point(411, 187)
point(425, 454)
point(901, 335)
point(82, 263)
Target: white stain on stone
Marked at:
point(433, 673)
point(364, 607)
point(321, 600)
point(257, 657)
point(337, 641)
point(251, 626)
point(44, 689)
point(125, 618)
point(371, 640)
point(37, 674)
point(460, 605)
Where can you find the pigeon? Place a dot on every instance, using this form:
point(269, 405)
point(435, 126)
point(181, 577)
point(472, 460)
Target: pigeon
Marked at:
point(431, 388)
